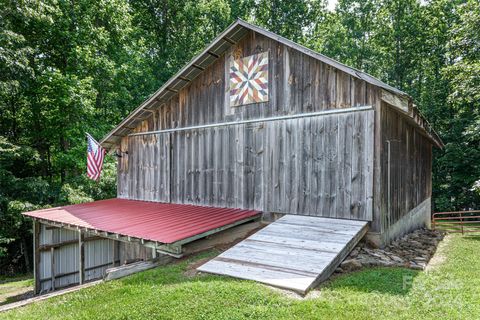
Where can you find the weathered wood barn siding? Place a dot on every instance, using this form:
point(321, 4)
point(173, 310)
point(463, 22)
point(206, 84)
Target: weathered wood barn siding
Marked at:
point(297, 83)
point(320, 165)
point(406, 166)
point(316, 166)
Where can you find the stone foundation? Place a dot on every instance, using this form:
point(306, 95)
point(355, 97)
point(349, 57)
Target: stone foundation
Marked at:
point(413, 250)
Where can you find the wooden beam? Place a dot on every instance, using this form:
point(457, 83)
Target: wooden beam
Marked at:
point(47, 247)
point(57, 293)
point(397, 101)
point(173, 249)
point(229, 40)
point(113, 236)
point(122, 271)
point(172, 90)
point(213, 54)
point(198, 67)
point(115, 249)
point(36, 253)
point(252, 121)
point(52, 267)
point(81, 257)
point(184, 78)
point(66, 274)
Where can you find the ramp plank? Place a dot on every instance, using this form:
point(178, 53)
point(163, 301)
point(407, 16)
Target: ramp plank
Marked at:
point(295, 252)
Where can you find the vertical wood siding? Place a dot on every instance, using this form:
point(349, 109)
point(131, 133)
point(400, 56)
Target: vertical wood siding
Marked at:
point(297, 84)
point(321, 166)
point(410, 166)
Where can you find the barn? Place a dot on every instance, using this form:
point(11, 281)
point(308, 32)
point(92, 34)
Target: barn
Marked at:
point(255, 127)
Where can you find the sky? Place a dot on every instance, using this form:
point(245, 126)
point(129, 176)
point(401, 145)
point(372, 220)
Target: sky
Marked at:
point(331, 4)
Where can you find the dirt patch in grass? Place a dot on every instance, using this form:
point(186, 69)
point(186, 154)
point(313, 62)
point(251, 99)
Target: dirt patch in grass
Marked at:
point(439, 256)
point(191, 270)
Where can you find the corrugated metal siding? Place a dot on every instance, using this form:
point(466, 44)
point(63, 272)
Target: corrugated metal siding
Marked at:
point(97, 253)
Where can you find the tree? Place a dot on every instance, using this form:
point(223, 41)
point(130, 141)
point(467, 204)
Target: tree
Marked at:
point(459, 166)
point(346, 34)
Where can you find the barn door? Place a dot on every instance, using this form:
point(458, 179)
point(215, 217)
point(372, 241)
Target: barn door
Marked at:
point(320, 166)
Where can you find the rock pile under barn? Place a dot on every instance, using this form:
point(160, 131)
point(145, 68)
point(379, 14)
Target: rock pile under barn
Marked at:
point(413, 250)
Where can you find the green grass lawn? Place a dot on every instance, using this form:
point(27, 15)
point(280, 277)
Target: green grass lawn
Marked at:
point(13, 288)
point(450, 290)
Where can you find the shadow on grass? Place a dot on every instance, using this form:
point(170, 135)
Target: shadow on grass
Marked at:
point(178, 272)
point(15, 278)
point(393, 281)
point(17, 297)
point(475, 237)
point(166, 275)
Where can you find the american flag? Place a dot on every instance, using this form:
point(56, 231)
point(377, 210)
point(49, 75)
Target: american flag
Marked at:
point(95, 155)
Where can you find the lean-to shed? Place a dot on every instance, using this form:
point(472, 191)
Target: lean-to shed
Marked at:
point(256, 124)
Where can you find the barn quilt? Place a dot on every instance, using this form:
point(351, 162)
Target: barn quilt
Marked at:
point(249, 80)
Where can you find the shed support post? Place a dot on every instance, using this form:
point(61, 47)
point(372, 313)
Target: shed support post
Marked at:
point(52, 269)
point(115, 252)
point(36, 254)
point(81, 258)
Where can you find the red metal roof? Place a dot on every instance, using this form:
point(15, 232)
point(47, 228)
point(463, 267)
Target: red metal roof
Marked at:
point(154, 221)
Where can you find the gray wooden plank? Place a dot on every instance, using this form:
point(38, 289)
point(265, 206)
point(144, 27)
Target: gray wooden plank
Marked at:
point(298, 227)
point(281, 260)
point(311, 245)
point(315, 166)
point(310, 235)
point(320, 220)
point(271, 276)
point(298, 224)
point(283, 251)
point(341, 208)
point(295, 252)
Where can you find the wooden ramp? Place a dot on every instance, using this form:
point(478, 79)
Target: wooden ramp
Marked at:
point(294, 252)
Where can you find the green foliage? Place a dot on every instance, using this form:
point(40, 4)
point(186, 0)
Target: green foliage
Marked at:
point(291, 19)
point(22, 190)
point(459, 166)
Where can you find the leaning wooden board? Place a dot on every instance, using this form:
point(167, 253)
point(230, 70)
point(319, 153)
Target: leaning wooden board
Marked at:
point(294, 252)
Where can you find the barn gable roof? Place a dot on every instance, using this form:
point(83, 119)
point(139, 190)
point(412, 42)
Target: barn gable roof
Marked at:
point(230, 36)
